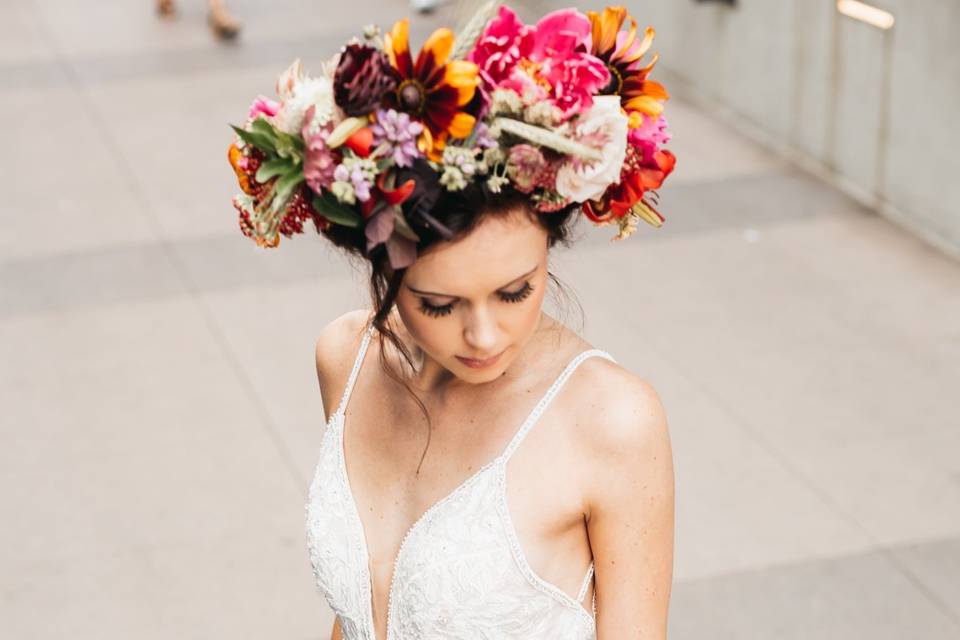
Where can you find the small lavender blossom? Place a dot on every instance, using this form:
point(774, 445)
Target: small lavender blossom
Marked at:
point(353, 179)
point(399, 134)
point(483, 138)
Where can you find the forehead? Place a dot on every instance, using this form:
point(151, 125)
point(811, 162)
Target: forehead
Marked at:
point(498, 250)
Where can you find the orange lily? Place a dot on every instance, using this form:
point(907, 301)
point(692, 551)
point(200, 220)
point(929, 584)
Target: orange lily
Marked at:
point(434, 89)
point(627, 78)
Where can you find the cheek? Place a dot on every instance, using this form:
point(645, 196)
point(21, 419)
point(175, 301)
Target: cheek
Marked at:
point(530, 309)
point(431, 334)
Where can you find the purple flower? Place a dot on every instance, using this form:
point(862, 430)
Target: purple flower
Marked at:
point(358, 175)
point(399, 134)
point(483, 138)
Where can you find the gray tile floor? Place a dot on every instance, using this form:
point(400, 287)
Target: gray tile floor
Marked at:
point(161, 413)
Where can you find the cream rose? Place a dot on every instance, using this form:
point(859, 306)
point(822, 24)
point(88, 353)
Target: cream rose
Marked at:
point(602, 127)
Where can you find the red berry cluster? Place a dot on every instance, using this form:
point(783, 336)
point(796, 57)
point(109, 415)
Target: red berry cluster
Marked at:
point(246, 226)
point(298, 211)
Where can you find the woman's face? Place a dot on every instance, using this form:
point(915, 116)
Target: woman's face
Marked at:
point(472, 304)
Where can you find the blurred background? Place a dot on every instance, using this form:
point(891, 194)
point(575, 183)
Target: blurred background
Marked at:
point(799, 313)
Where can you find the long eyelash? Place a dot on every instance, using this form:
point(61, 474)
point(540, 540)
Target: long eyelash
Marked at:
point(518, 296)
point(433, 310)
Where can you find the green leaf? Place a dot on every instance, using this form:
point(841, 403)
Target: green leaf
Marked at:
point(273, 168)
point(285, 186)
point(265, 128)
point(335, 211)
point(256, 139)
point(289, 146)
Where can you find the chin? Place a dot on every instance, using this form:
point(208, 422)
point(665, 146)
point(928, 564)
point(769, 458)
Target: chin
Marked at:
point(478, 375)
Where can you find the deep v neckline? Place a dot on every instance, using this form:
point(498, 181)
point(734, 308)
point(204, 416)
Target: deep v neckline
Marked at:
point(339, 416)
point(365, 545)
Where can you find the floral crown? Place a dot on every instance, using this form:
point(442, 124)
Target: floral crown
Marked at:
point(563, 111)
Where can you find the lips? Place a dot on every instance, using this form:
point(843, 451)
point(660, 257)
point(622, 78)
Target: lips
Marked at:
point(474, 363)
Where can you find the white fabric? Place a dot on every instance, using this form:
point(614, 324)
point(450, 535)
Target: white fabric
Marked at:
point(460, 573)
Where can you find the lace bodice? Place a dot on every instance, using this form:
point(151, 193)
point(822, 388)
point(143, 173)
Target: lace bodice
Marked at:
point(460, 573)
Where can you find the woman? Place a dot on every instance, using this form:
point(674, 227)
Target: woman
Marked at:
point(484, 472)
point(587, 481)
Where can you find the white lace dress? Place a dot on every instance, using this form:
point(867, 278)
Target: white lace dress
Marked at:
point(460, 573)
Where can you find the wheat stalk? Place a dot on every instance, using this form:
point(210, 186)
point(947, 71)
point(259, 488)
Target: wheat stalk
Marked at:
point(546, 138)
point(468, 35)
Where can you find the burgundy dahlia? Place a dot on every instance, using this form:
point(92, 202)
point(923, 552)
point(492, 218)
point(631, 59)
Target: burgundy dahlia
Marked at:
point(364, 76)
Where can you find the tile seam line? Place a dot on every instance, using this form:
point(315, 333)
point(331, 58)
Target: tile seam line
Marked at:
point(881, 549)
point(130, 181)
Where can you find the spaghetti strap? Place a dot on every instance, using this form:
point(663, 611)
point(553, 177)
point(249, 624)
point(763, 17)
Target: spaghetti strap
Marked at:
point(586, 583)
point(356, 368)
point(548, 396)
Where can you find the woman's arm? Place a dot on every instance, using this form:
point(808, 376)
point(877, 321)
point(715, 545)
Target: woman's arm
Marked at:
point(630, 497)
point(335, 634)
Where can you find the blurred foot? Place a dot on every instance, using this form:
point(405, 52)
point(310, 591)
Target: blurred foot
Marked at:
point(166, 8)
point(424, 6)
point(224, 25)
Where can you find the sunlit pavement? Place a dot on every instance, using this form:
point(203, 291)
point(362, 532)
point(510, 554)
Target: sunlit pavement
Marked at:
point(161, 414)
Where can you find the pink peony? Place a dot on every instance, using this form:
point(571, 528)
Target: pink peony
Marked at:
point(264, 106)
point(550, 61)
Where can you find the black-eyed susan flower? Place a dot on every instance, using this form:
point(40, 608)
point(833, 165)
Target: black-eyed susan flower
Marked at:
point(434, 90)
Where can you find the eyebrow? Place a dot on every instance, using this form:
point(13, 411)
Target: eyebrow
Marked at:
point(447, 295)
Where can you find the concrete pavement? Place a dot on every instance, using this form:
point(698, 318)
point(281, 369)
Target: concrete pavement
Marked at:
point(162, 418)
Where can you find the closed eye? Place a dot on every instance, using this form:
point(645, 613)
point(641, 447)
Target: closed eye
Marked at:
point(434, 310)
point(516, 296)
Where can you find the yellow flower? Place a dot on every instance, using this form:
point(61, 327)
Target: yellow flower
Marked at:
point(622, 54)
point(433, 90)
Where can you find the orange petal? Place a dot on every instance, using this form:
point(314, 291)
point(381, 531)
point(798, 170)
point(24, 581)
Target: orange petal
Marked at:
point(631, 38)
point(436, 151)
point(462, 125)
point(397, 46)
point(635, 120)
point(655, 90)
point(644, 71)
point(610, 23)
point(645, 104)
point(425, 141)
point(644, 46)
point(438, 46)
point(463, 76)
point(595, 29)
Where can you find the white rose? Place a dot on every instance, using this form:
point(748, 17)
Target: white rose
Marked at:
point(603, 127)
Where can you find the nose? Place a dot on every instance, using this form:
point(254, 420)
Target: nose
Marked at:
point(481, 331)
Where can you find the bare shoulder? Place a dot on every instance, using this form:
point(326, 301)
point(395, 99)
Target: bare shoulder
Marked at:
point(335, 350)
point(621, 429)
